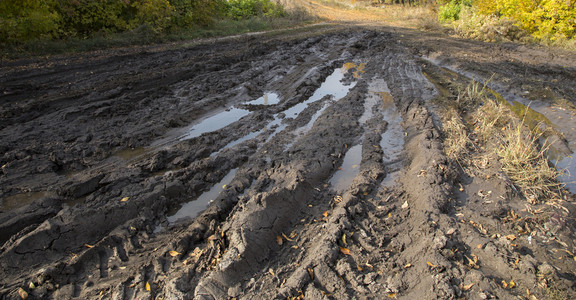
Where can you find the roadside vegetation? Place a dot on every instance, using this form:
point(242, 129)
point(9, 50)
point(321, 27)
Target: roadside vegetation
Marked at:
point(482, 129)
point(551, 22)
point(55, 26)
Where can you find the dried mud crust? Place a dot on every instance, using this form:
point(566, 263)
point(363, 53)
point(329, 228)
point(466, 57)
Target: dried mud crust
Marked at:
point(100, 136)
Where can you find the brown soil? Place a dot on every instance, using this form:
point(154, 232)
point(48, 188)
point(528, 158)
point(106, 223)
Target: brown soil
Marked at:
point(101, 149)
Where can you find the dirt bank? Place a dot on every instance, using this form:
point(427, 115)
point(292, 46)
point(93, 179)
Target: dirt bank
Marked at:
point(298, 164)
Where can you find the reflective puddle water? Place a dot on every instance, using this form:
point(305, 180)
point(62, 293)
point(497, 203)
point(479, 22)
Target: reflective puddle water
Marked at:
point(215, 122)
point(342, 179)
point(267, 99)
point(195, 207)
point(331, 86)
point(392, 142)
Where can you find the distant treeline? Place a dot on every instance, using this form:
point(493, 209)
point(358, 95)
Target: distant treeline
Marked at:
point(25, 20)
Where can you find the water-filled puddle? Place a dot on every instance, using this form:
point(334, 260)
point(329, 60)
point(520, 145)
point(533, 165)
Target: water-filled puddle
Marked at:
point(194, 208)
point(331, 86)
point(267, 99)
point(342, 179)
point(334, 86)
point(19, 200)
point(392, 142)
point(215, 122)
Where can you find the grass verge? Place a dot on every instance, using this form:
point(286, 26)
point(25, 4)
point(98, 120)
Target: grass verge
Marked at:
point(145, 35)
point(477, 122)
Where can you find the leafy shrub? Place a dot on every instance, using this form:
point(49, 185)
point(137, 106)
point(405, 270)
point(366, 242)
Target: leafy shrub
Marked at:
point(544, 19)
point(488, 28)
point(27, 19)
point(450, 11)
point(243, 9)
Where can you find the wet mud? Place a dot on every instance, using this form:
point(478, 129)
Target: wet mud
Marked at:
point(305, 164)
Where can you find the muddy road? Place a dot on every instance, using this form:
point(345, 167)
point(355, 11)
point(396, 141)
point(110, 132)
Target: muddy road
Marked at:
point(305, 164)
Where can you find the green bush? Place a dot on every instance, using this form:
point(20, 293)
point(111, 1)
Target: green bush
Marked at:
point(244, 9)
point(27, 19)
point(450, 11)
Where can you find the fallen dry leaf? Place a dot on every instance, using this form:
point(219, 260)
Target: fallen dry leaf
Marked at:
point(344, 240)
point(405, 204)
point(311, 273)
point(510, 237)
point(325, 214)
point(174, 253)
point(88, 246)
point(31, 285)
point(287, 238)
point(279, 240)
point(345, 251)
point(124, 199)
point(23, 294)
point(467, 287)
point(148, 286)
point(511, 284)
point(271, 272)
point(431, 264)
point(407, 266)
point(391, 295)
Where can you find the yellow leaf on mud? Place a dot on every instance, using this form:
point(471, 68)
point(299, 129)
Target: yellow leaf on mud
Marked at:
point(224, 186)
point(88, 246)
point(174, 253)
point(510, 237)
point(311, 273)
point(431, 264)
point(148, 286)
point(279, 240)
point(287, 238)
point(504, 284)
point(31, 285)
point(345, 251)
point(22, 293)
point(325, 214)
point(344, 240)
point(271, 271)
point(511, 284)
point(391, 295)
point(125, 199)
point(407, 266)
point(574, 258)
point(467, 287)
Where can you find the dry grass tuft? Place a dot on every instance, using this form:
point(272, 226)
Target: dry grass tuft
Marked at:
point(495, 128)
point(457, 141)
point(525, 161)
